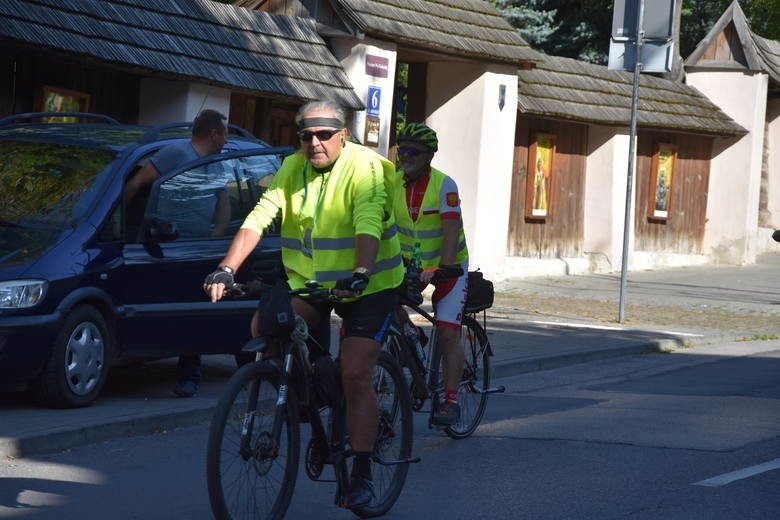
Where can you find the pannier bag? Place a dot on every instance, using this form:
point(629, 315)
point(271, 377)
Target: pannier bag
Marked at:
point(480, 292)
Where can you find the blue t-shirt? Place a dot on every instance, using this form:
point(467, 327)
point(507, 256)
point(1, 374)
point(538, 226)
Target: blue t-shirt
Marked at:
point(190, 198)
point(173, 156)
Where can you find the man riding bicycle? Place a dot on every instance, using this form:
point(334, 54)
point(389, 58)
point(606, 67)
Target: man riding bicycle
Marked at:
point(338, 228)
point(428, 212)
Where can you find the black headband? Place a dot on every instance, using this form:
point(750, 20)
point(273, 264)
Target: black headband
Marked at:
point(309, 122)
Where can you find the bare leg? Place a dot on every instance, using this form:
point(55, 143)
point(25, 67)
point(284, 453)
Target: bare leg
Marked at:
point(358, 357)
point(453, 356)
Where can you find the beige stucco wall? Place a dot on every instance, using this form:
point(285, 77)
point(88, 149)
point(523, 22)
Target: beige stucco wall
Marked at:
point(476, 146)
point(773, 161)
point(352, 56)
point(730, 234)
point(606, 177)
point(476, 136)
point(162, 101)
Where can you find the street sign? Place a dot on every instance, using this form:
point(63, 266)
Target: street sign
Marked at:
point(657, 42)
point(373, 101)
point(656, 56)
point(657, 24)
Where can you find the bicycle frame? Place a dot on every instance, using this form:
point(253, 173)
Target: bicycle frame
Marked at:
point(426, 383)
point(282, 390)
point(296, 368)
point(425, 377)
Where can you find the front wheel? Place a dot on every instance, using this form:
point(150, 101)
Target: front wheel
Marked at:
point(78, 365)
point(250, 473)
point(472, 397)
point(394, 436)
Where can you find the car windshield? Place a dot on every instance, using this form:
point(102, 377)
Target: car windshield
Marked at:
point(45, 184)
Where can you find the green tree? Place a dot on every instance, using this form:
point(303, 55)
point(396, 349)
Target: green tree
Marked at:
point(581, 29)
point(534, 22)
point(764, 16)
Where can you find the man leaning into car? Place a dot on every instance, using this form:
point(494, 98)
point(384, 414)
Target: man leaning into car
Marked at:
point(209, 134)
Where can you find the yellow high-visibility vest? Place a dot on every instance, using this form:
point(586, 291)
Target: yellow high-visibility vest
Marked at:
point(427, 229)
point(323, 212)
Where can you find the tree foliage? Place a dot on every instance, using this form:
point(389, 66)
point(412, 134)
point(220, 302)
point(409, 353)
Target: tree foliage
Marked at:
point(581, 28)
point(43, 182)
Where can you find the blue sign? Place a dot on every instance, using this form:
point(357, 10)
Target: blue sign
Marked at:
point(372, 103)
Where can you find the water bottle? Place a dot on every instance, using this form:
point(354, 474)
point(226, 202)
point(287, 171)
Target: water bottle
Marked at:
point(414, 267)
point(416, 262)
point(413, 337)
point(412, 276)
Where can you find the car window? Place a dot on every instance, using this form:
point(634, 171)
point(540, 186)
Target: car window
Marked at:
point(46, 184)
point(197, 201)
point(253, 176)
point(213, 199)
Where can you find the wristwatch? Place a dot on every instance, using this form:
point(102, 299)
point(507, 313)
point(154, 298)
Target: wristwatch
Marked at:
point(226, 269)
point(362, 271)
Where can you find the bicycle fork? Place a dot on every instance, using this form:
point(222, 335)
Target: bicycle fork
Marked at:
point(270, 448)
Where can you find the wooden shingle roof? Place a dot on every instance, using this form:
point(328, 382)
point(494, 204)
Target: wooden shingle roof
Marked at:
point(731, 44)
point(564, 88)
point(197, 40)
point(468, 28)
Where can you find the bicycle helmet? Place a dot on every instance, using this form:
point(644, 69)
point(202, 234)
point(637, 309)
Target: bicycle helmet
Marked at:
point(419, 133)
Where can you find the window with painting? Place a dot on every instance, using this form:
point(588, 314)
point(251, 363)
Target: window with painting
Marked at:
point(539, 179)
point(661, 177)
point(55, 99)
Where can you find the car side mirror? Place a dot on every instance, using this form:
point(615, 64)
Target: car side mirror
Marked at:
point(160, 230)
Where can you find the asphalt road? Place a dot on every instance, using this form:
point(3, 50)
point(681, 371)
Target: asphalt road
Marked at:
point(694, 434)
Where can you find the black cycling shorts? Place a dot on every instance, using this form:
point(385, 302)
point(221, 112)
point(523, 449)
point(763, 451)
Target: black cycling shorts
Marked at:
point(368, 317)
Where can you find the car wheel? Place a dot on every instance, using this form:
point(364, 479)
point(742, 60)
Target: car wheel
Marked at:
point(78, 365)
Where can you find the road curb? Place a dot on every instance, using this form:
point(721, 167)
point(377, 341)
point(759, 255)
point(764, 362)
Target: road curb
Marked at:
point(61, 440)
point(542, 363)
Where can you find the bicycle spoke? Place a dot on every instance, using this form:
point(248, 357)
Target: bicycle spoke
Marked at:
point(250, 475)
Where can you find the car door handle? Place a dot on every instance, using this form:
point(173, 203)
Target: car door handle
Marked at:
point(109, 266)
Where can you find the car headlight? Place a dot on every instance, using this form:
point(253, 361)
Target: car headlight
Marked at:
point(21, 294)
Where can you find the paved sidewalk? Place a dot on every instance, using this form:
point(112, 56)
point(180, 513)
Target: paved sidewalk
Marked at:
point(526, 336)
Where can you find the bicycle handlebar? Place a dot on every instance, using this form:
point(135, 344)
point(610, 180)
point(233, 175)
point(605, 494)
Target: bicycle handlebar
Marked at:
point(258, 287)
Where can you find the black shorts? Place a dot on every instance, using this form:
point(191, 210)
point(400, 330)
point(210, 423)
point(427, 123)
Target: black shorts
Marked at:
point(368, 317)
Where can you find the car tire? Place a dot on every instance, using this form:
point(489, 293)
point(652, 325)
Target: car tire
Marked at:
point(78, 365)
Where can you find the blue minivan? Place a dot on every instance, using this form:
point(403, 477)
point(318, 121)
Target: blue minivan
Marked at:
point(86, 280)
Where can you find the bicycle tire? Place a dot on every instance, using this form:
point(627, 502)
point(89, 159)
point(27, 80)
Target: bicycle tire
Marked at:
point(394, 436)
point(476, 378)
point(251, 484)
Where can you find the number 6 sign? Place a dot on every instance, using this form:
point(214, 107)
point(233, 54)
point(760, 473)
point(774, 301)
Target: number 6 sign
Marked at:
point(373, 101)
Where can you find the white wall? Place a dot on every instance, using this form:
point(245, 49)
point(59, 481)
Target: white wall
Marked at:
point(773, 141)
point(162, 101)
point(476, 147)
point(352, 56)
point(606, 177)
point(735, 173)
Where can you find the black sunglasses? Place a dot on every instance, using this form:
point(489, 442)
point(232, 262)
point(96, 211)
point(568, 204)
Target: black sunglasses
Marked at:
point(322, 135)
point(411, 152)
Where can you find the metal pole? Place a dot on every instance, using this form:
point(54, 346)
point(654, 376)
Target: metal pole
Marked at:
point(640, 36)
